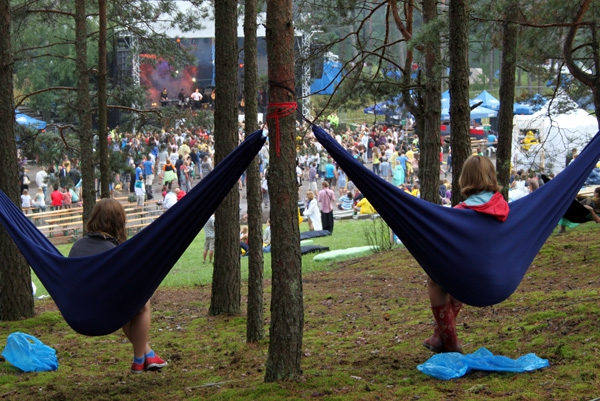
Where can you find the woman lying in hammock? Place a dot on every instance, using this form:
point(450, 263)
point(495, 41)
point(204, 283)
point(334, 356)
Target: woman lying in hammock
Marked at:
point(479, 185)
point(106, 230)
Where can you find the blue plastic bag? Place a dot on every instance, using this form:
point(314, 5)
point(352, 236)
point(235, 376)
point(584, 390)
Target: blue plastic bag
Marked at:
point(29, 354)
point(452, 365)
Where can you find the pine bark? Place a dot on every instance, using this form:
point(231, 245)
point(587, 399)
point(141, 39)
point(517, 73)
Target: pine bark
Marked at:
point(429, 137)
point(510, 32)
point(84, 111)
point(16, 300)
point(459, 90)
point(226, 285)
point(287, 308)
point(255, 330)
point(102, 98)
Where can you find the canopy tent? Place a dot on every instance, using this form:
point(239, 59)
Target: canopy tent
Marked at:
point(388, 107)
point(332, 75)
point(476, 113)
point(559, 126)
point(530, 106)
point(489, 101)
point(29, 122)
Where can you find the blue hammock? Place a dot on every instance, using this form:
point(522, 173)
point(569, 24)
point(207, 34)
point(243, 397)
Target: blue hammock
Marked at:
point(474, 257)
point(98, 294)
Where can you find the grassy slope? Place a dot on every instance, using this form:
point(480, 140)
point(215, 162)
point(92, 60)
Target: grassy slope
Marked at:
point(365, 321)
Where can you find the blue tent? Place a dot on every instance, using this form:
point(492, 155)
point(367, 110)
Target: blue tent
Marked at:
point(488, 100)
point(29, 122)
point(387, 107)
point(476, 113)
point(331, 77)
point(530, 106)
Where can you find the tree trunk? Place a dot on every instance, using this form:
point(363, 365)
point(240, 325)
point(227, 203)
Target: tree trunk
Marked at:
point(460, 111)
point(102, 107)
point(226, 296)
point(16, 300)
point(287, 308)
point(429, 138)
point(255, 330)
point(84, 112)
point(507, 94)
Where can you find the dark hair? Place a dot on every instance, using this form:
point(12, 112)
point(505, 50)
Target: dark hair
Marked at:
point(108, 218)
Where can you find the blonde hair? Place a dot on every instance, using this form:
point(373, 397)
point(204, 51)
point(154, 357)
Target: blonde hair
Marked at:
point(478, 175)
point(310, 195)
point(108, 218)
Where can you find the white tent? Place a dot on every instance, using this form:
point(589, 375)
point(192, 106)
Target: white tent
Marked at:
point(559, 127)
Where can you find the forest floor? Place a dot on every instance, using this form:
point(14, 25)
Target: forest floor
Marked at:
point(365, 321)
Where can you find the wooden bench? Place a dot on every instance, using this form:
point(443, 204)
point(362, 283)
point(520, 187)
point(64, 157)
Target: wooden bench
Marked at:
point(45, 216)
point(136, 228)
point(48, 230)
point(342, 214)
point(67, 219)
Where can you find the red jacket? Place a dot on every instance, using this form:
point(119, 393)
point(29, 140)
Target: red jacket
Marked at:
point(496, 206)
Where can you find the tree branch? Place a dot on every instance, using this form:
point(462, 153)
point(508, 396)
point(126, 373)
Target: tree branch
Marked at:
point(578, 73)
point(20, 99)
point(51, 11)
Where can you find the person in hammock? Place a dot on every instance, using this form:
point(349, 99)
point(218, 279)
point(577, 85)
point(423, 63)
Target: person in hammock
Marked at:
point(479, 185)
point(105, 230)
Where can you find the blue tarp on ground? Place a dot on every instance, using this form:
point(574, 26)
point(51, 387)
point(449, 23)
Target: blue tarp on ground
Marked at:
point(331, 77)
point(29, 122)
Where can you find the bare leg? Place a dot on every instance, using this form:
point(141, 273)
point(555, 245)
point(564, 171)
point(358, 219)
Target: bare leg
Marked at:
point(137, 329)
point(437, 295)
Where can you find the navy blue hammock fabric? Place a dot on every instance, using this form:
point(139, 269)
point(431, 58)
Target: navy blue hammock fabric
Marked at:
point(474, 257)
point(98, 294)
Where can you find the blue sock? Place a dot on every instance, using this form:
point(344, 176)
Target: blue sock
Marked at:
point(138, 360)
point(150, 354)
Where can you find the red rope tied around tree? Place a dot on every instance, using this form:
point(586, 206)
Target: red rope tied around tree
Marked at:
point(281, 110)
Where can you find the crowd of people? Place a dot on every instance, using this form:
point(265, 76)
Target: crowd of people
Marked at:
point(174, 159)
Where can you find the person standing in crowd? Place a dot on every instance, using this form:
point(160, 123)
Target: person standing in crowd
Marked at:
point(209, 239)
point(330, 173)
point(327, 200)
point(170, 174)
point(106, 230)
point(41, 180)
point(311, 212)
point(140, 192)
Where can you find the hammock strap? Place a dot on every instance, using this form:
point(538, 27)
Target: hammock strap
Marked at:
point(283, 109)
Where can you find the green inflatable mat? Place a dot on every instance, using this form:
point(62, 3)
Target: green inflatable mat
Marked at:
point(306, 242)
point(345, 253)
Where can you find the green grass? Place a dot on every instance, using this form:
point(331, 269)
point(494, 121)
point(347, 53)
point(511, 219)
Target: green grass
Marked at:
point(189, 270)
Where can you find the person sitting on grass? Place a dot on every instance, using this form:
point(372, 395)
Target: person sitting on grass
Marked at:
point(346, 202)
point(363, 206)
point(106, 230)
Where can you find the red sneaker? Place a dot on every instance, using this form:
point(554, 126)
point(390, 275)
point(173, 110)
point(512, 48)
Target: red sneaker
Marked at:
point(137, 368)
point(154, 363)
